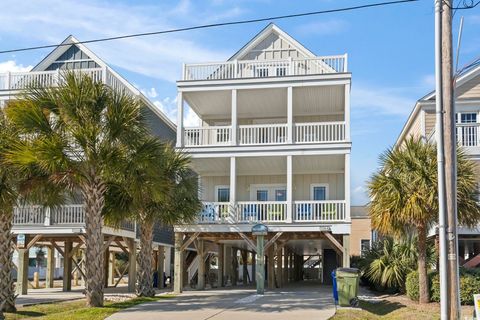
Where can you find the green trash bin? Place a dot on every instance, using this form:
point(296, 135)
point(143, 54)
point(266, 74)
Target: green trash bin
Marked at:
point(347, 286)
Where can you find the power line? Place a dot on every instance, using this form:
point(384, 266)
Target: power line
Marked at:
point(371, 5)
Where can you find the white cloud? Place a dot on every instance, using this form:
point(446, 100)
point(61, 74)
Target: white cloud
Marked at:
point(325, 27)
point(169, 107)
point(158, 56)
point(380, 100)
point(12, 66)
point(359, 195)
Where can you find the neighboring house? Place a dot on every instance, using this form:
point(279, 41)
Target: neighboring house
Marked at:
point(362, 235)
point(274, 148)
point(62, 229)
point(421, 123)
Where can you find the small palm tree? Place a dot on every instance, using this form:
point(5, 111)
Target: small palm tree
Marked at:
point(78, 135)
point(404, 196)
point(159, 187)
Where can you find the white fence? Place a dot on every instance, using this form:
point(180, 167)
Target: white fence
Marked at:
point(263, 134)
point(265, 68)
point(467, 135)
point(261, 211)
point(319, 132)
point(205, 136)
point(319, 211)
point(215, 212)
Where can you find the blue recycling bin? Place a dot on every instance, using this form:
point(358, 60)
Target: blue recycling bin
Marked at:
point(334, 284)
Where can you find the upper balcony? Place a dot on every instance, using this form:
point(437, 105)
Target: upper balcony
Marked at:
point(244, 69)
point(468, 137)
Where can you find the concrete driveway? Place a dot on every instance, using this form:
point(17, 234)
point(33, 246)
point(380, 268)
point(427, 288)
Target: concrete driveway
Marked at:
point(298, 302)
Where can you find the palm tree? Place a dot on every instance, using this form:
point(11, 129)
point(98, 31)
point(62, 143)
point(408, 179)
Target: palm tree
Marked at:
point(159, 188)
point(78, 134)
point(404, 196)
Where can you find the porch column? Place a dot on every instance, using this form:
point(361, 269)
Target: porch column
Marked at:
point(346, 251)
point(285, 266)
point(289, 189)
point(233, 181)
point(271, 268)
point(106, 265)
point(168, 262)
point(234, 118)
point(245, 267)
point(347, 112)
point(280, 268)
point(347, 186)
point(179, 264)
point(228, 264)
point(235, 266)
point(201, 265)
point(290, 134)
point(132, 264)
point(221, 265)
point(67, 266)
point(50, 276)
point(254, 269)
point(180, 119)
point(111, 269)
point(160, 266)
point(22, 271)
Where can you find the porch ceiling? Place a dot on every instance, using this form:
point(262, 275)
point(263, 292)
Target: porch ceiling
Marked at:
point(269, 165)
point(267, 103)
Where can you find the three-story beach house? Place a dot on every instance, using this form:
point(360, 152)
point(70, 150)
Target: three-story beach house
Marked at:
point(421, 123)
point(273, 148)
point(61, 230)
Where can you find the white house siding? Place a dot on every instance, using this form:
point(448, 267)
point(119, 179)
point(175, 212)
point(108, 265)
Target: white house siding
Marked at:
point(271, 48)
point(301, 185)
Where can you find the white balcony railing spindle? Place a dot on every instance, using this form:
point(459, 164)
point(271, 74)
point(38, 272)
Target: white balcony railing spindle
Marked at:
point(205, 136)
point(319, 132)
point(319, 211)
point(262, 134)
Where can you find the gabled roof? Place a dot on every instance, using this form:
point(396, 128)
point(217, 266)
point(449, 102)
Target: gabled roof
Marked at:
point(71, 40)
point(430, 97)
point(262, 35)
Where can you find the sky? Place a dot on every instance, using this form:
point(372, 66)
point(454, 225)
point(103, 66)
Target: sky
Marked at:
point(390, 50)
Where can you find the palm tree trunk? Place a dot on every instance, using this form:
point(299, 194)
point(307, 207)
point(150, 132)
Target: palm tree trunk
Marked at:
point(424, 296)
point(145, 272)
point(93, 194)
point(7, 292)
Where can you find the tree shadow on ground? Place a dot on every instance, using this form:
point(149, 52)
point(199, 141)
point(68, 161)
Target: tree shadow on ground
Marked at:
point(381, 308)
point(27, 314)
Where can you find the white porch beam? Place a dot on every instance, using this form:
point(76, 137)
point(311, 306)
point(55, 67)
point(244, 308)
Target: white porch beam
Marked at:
point(289, 188)
point(234, 118)
point(289, 115)
point(347, 186)
point(233, 181)
point(180, 119)
point(347, 112)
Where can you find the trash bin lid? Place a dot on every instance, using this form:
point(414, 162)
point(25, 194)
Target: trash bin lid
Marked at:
point(348, 270)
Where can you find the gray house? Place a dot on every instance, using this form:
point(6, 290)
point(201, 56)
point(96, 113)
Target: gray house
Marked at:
point(62, 230)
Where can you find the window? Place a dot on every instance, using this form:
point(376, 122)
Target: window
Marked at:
point(262, 195)
point(364, 246)
point(280, 195)
point(467, 130)
point(319, 193)
point(261, 72)
point(281, 71)
point(223, 194)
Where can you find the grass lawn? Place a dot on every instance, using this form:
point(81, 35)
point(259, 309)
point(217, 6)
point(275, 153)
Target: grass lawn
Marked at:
point(76, 310)
point(395, 308)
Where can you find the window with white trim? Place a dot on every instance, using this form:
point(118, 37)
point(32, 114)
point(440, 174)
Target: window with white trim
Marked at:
point(364, 246)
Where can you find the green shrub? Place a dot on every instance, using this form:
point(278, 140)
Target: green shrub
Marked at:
point(469, 285)
point(412, 286)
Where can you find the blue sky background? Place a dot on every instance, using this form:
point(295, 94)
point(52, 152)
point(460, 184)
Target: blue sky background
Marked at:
point(390, 50)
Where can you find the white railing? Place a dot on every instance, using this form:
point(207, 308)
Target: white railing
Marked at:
point(265, 68)
point(68, 214)
point(262, 134)
point(216, 212)
point(29, 215)
point(261, 211)
point(71, 214)
point(39, 79)
point(319, 132)
point(319, 211)
point(467, 134)
point(205, 136)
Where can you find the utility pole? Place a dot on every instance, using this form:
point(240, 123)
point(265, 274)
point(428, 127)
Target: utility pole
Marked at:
point(442, 213)
point(450, 160)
